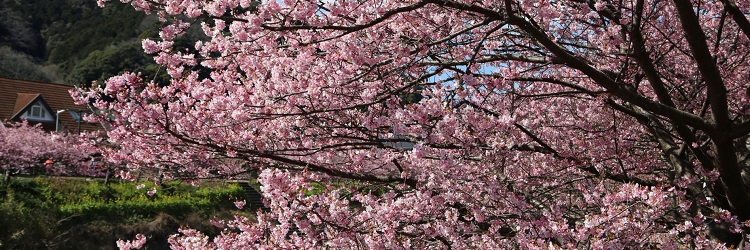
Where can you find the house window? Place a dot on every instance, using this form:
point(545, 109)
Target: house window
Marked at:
point(36, 111)
point(76, 114)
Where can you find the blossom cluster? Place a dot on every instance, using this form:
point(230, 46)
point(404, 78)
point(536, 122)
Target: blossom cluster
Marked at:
point(451, 124)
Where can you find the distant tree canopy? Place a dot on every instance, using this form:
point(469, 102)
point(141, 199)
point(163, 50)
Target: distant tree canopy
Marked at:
point(66, 32)
point(102, 64)
point(19, 33)
point(70, 42)
point(17, 65)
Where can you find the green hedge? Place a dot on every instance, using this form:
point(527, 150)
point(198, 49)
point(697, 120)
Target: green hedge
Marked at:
point(34, 212)
point(92, 199)
point(141, 205)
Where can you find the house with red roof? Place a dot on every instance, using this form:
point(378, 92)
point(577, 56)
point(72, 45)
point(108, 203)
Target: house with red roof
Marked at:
point(47, 104)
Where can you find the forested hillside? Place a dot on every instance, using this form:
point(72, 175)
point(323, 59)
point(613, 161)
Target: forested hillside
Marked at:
point(71, 41)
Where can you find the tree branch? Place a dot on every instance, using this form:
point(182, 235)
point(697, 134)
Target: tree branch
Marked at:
point(739, 200)
point(738, 16)
point(604, 80)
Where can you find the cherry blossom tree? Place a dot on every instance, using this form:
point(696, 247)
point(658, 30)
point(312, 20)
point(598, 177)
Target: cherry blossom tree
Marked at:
point(26, 148)
point(536, 123)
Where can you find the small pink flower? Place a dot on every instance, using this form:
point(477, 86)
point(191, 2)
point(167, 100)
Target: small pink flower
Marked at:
point(151, 192)
point(240, 204)
point(140, 186)
point(599, 6)
point(150, 46)
point(218, 223)
point(137, 243)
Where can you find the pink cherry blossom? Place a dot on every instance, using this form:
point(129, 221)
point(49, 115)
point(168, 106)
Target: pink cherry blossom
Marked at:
point(451, 124)
point(137, 243)
point(239, 204)
point(24, 148)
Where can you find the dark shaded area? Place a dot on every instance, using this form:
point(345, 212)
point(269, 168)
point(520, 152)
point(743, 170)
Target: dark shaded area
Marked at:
point(63, 33)
point(74, 213)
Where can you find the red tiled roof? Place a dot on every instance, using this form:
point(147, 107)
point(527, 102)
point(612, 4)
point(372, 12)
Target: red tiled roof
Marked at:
point(17, 94)
point(22, 100)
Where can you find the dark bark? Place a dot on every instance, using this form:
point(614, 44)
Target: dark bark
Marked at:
point(721, 136)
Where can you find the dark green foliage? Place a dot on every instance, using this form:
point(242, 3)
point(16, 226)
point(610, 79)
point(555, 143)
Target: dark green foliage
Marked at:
point(73, 213)
point(410, 98)
point(23, 222)
point(25, 191)
point(413, 96)
point(18, 32)
point(124, 201)
point(73, 29)
point(102, 64)
point(82, 41)
point(97, 30)
point(65, 32)
point(17, 65)
point(22, 225)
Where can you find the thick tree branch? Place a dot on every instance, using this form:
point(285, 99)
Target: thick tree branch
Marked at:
point(352, 28)
point(738, 197)
point(738, 16)
point(485, 59)
point(717, 92)
point(643, 59)
point(301, 164)
point(605, 81)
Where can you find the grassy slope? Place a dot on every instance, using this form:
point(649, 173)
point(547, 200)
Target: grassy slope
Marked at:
point(49, 213)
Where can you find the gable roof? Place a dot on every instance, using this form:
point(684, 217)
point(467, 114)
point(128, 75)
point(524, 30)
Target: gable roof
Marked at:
point(24, 101)
point(17, 95)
